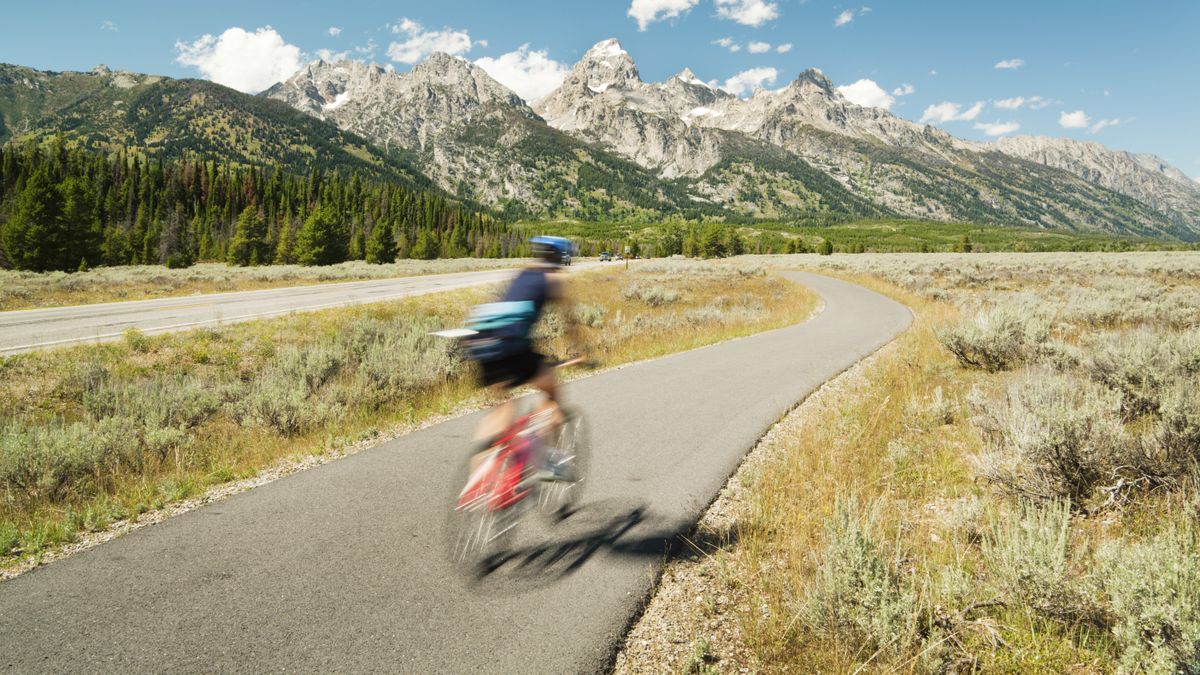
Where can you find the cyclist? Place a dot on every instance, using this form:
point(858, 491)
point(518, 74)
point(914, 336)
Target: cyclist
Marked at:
point(505, 349)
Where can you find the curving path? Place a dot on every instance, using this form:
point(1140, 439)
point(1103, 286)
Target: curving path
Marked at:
point(341, 568)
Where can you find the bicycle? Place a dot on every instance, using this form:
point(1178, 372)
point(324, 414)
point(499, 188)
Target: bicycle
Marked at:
point(502, 485)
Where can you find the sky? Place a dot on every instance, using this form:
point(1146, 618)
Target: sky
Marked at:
point(1121, 73)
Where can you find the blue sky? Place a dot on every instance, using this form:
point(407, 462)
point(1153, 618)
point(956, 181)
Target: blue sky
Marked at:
point(1122, 73)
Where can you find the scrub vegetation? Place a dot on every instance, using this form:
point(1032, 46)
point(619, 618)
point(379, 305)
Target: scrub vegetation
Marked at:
point(1012, 487)
point(97, 434)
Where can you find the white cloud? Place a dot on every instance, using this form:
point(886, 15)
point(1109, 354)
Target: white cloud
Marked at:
point(746, 81)
point(1074, 120)
point(1009, 64)
point(758, 47)
point(1010, 103)
point(748, 12)
point(532, 74)
point(997, 128)
point(848, 16)
point(784, 48)
point(248, 62)
point(729, 44)
point(108, 25)
point(420, 43)
point(950, 112)
point(1103, 124)
point(335, 31)
point(904, 90)
point(1037, 103)
point(330, 56)
point(933, 73)
point(867, 93)
point(647, 12)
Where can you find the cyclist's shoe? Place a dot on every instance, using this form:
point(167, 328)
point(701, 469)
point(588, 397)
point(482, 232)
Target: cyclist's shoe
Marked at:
point(556, 470)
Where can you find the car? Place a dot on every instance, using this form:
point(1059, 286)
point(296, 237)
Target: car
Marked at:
point(605, 257)
point(619, 257)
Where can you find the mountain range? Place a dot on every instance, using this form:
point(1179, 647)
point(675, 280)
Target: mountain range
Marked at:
point(606, 144)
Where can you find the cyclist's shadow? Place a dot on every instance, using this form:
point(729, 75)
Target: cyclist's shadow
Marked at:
point(600, 528)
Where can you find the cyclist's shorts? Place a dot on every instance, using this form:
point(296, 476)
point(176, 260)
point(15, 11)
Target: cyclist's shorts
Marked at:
point(511, 371)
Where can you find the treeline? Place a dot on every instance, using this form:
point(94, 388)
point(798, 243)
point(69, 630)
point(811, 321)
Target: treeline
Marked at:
point(66, 209)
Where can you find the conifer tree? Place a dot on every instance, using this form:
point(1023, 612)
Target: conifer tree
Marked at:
point(322, 240)
point(34, 238)
point(381, 247)
point(249, 243)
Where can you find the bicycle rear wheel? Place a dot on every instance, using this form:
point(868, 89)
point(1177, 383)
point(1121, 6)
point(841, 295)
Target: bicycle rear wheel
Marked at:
point(570, 453)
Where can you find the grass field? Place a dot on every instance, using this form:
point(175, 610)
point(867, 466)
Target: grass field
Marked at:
point(93, 435)
point(1012, 487)
point(883, 236)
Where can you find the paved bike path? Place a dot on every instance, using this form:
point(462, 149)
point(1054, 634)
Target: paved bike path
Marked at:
point(342, 567)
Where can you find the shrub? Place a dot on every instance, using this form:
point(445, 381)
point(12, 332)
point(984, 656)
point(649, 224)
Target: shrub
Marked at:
point(1028, 562)
point(1153, 594)
point(651, 295)
point(407, 361)
point(589, 315)
point(1172, 448)
point(1051, 437)
point(50, 461)
point(155, 404)
point(10, 537)
point(999, 340)
point(858, 594)
point(1141, 365)
point(278, 403)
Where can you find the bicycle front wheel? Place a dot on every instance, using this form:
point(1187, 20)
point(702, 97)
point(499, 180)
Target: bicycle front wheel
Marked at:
point(570, 455)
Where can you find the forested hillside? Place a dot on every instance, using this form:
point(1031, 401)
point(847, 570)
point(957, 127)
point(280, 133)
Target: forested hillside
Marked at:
point(112, 111)
point(63, 208)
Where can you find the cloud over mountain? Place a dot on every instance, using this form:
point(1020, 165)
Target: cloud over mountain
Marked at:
point(419, 43)
point(947, 111)
point(248, 62)
point(867, 93)
point(530, 73)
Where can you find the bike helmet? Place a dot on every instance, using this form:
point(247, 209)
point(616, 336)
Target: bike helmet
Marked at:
point(555, 250)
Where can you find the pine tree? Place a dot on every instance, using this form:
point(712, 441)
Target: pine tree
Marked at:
point(425, 247)
point(322, 239)
point(34, 237)
point(826, 247)
point(249, 243)
point(381, 247)
point(711, 244)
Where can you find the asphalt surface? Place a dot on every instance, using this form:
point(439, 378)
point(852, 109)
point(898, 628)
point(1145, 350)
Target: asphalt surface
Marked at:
point(24, 330)
point(343, 567)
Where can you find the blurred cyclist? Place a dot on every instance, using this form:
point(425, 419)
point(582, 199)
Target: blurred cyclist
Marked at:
point(504, 344)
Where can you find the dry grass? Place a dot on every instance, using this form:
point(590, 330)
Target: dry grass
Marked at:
point(1033, 509)
point(97, 434)
point(28, 290)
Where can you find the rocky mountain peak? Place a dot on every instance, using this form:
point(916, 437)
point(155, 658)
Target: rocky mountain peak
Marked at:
point(462, 81)
point(605, 65)
point(813, 81)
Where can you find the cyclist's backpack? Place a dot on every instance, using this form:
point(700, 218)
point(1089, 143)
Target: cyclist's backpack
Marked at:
point(501, 330)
